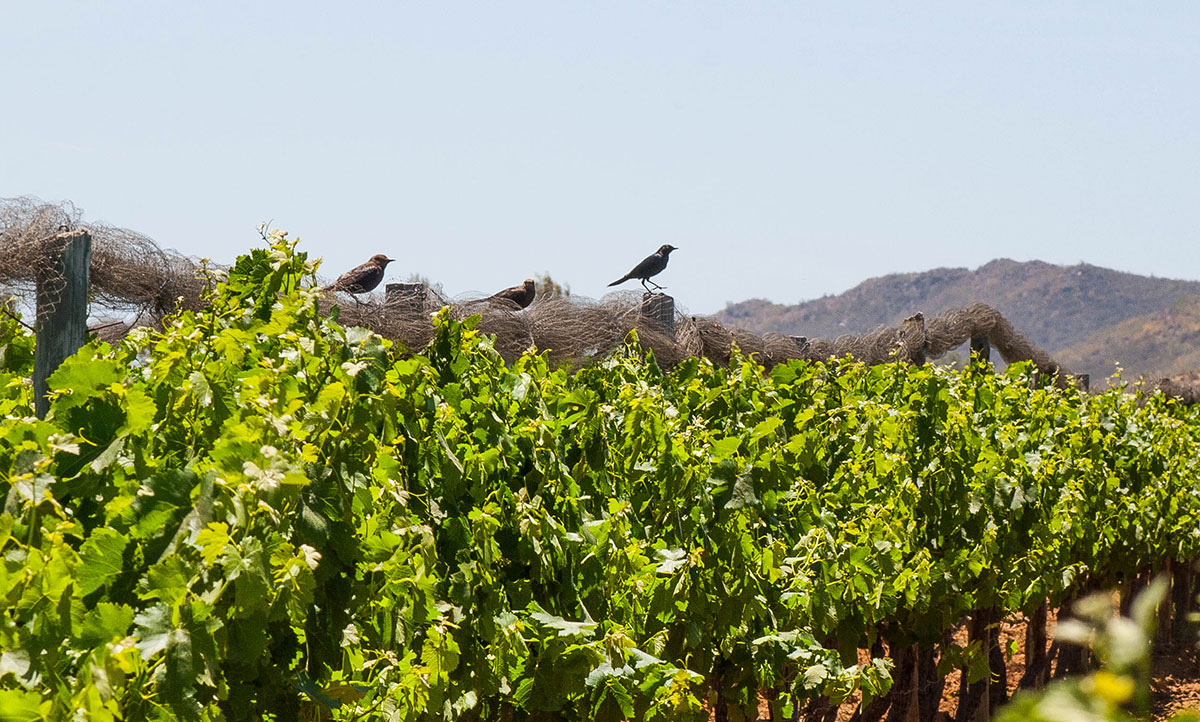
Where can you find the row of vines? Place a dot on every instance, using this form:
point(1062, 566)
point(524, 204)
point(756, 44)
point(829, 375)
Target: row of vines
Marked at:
point(257, 513)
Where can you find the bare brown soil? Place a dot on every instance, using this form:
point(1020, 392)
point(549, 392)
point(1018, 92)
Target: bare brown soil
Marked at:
point(1175, 669)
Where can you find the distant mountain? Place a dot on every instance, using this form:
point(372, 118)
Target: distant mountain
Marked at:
point(1165, 343)
point(1061, 308)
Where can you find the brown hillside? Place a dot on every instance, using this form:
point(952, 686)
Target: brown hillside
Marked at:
point(1056, 306)
point(1156, 345)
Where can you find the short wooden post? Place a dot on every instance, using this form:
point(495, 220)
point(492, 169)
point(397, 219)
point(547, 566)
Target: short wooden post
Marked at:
point(981, 348)
point(802, 345)
point(910, 339)
point(62, 306)
point(407, 298)
point(1083, 382)
point(659, 309)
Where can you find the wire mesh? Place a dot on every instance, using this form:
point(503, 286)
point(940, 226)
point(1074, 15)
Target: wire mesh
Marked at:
point(131, 276)
point(135, 282)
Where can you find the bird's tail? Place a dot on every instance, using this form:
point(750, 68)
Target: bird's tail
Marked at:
point(622, 279)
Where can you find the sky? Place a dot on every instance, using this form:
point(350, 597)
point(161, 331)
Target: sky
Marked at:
point(788, 149)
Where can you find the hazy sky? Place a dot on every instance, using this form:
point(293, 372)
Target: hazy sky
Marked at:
point(790, 149)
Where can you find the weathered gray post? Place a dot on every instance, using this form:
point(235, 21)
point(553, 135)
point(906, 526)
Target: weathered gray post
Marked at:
point(407, 298)
point(659, 309)
point(62, 307)
point(802, 345)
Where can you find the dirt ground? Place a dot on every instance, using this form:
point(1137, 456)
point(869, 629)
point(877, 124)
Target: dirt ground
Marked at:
point(1175, 670)
point(1176, 683)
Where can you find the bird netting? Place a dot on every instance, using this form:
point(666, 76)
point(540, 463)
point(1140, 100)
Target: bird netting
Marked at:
point(136, 282)
point(569, 329)
point(573, 329)
point(133, 281)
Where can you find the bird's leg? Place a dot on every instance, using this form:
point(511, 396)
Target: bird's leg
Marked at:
point(656, 286)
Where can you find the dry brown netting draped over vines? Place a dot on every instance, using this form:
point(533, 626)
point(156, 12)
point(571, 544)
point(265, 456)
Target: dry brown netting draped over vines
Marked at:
point(132, 277)
point(137, 282)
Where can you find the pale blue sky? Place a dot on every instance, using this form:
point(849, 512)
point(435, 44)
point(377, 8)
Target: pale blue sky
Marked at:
point(790, 149)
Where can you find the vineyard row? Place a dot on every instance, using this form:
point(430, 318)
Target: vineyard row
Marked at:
point(259, 513)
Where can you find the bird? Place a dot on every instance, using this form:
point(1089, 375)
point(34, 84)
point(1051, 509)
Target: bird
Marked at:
point(521, 295)
point(651, 265)
point(364, 278)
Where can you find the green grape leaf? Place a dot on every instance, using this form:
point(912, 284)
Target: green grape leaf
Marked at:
point(724, 448)
point(166, 580)
point(140, 411)
point(100, 559)
point(563, 627)
point(14, 662)
point(212, 541)
point(83, 375)
point(743, 491)
point(105, 622)
point(18, 705)
point(152, 627)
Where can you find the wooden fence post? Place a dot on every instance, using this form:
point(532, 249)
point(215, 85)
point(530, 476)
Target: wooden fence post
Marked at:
point(981, 348)
point(659, 309)
point(407, 298)
point(910, 339)
point(62, 307)
point(802, 345)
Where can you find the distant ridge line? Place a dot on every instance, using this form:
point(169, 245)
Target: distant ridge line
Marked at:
point(1057, 307)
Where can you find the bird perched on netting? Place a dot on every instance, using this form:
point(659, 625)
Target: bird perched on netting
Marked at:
point(651, 265)
point(521, 295)
point(364, 278)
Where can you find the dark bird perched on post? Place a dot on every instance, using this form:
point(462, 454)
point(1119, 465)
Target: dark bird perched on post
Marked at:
point(651, 265)
point(521, 295)
point(364, 278)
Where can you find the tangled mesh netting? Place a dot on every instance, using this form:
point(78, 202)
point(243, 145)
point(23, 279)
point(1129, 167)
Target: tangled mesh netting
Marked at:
point(133, 281)
point(569, 329)
point(137, 282)
point(573, 330)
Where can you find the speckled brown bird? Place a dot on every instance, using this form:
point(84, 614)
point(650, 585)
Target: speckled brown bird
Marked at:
point(521, 295)
point(364, 278)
